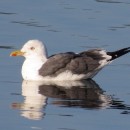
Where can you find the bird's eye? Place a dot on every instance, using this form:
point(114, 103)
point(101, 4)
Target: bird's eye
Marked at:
point(32, 48)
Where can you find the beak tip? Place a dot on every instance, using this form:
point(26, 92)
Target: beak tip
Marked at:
point(12, 54)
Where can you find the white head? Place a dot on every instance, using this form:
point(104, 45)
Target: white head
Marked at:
point(32, 49)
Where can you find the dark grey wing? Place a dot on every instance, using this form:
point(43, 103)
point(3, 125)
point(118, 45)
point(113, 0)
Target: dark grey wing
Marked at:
point(76, 63)
point(56, 64)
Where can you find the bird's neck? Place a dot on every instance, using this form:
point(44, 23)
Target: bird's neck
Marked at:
point(31, 67)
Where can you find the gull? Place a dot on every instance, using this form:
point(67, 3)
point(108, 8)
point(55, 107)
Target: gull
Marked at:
point(38, 66)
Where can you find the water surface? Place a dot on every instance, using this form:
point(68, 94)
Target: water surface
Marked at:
point(101, 103)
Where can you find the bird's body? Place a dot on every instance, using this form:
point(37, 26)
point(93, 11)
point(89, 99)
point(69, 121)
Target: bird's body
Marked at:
point(63, 66)
point(71, 66)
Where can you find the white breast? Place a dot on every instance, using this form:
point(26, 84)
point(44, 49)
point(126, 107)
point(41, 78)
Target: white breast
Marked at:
point(30, 69)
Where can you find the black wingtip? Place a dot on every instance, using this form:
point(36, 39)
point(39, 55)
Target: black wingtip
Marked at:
point(118, 53)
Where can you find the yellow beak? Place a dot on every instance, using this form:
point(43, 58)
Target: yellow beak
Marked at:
point(17, 53)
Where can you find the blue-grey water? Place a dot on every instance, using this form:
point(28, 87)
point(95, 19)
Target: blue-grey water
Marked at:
point(65, 25)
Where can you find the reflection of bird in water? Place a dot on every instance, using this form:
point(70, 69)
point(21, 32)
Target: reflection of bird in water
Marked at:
point(84, 94)
point(33, 103)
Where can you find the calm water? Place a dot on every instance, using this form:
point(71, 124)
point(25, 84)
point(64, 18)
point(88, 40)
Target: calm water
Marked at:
point(65, 25)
